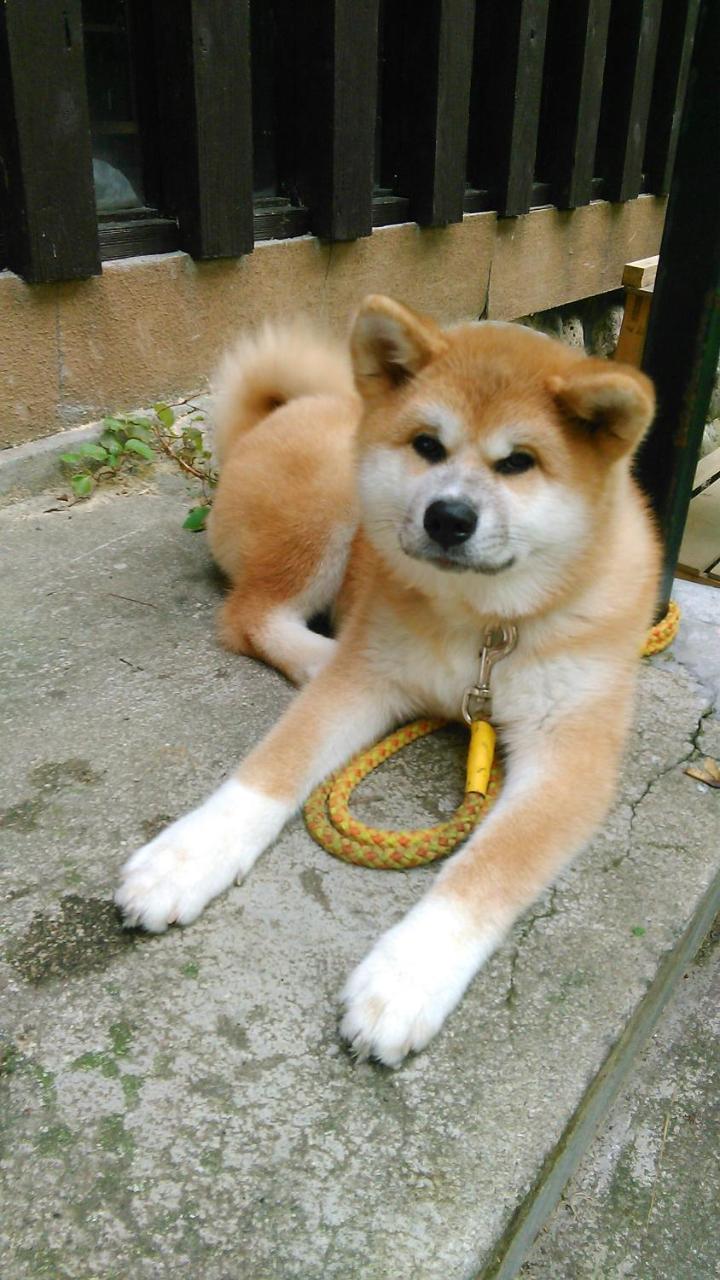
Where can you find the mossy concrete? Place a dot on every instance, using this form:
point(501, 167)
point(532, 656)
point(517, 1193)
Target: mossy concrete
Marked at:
point(183, 1103)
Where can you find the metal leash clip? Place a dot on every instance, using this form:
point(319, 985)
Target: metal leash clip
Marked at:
point(498, 642)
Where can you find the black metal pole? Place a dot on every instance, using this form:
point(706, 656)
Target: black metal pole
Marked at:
point(683, 338)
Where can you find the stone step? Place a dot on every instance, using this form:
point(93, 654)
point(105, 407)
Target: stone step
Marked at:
point(644, 1199)
point(183, 1102)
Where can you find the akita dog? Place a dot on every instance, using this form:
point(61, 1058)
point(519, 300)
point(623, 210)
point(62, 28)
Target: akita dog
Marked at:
point(423, 487)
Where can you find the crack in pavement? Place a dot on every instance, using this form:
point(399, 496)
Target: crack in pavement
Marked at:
point(526, 928)
point(635, 804)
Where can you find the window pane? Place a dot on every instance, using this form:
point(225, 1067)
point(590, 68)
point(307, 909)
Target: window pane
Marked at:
point(117, 156)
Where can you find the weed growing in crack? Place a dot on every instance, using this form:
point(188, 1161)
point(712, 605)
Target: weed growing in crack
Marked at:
point(130, 441)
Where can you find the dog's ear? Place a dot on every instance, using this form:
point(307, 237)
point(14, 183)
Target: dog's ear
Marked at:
point(615, 403)
point(390, 344)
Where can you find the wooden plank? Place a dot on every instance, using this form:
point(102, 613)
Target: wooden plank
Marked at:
point(706, 472)
point(630, 62)
point(683, 339)
point(47, 193)
point(640, 274)
point(203, 84)
point(631, 342)
point(572, 93)
point(700, 546)
point(677, 34)
point(337, 53)
point(435, 103)
point(505, 100)
point(125, 238)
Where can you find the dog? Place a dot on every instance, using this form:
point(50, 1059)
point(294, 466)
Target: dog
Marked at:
point(423, 486)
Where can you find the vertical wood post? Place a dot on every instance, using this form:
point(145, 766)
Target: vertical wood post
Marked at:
point(683, 338)
point(46, 180)
point(203, 83)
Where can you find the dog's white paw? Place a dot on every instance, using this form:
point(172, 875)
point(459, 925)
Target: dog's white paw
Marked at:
point(172, 878)
point(400, 995)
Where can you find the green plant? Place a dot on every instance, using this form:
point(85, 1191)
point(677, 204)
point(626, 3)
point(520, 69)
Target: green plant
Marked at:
point(129, 441)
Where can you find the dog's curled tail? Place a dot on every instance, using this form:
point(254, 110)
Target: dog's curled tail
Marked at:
point(269, 367)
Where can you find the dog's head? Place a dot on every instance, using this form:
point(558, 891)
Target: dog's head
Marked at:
point(487, 449)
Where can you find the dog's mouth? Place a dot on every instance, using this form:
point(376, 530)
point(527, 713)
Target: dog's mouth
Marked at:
point(459, 563)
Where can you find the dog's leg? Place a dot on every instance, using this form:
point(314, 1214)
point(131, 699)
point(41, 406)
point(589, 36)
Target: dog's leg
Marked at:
point(171, 879)
point(558, 787)
point(277, 633)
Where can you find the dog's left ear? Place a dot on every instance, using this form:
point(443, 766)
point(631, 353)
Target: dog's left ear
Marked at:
point(390, 344)
point(614, 402)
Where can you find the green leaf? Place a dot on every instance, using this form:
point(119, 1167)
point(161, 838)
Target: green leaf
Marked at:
point(142, 449)
point(195, 519)
point(140, 428)
point(71, 459)
point(82, 486)
point(637, 930)
point(164, 414)
point(113, 424)
point(193, 438)
point(95, 451)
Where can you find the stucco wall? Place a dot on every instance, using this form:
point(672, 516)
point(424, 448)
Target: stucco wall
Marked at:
point(154, 327)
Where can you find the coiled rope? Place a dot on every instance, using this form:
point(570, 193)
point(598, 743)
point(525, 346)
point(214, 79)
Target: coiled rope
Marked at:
point(334, 828)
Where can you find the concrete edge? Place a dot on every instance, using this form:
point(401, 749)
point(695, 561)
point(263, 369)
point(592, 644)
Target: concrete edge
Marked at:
point(30, 468)
point(513, 1247)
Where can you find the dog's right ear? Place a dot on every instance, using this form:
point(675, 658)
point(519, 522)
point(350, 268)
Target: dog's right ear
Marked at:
point(390, 344)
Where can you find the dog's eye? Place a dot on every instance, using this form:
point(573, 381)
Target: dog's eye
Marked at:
point(429, 448)
point(515, 463)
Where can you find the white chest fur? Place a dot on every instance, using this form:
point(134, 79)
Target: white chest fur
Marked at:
point(432, 673)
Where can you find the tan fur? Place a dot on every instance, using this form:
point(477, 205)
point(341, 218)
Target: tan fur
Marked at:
point(266, 369)
point(295, 476)
point(323, 503)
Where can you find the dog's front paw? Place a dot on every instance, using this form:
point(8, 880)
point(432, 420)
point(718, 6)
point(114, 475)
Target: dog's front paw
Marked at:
point(170, 880)
point(400, 995)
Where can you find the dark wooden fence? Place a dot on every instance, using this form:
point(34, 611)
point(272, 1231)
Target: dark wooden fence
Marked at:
point(253, 119)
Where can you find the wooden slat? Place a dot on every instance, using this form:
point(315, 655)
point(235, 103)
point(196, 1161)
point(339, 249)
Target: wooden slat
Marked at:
point(677, 33)
point(629, 67)
point(434, 100)
point(683, 338)
point(203, 83)
point(640, 274)
point(572, 92)
point(45, 152)
point(505, 103)
point(337, 71)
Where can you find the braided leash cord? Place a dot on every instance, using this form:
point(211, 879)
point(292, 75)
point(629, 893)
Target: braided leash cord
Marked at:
point(333, 827)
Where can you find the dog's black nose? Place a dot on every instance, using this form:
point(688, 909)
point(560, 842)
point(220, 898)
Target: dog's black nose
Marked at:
point(450, 522)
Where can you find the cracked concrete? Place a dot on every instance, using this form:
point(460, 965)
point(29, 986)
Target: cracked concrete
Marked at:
point(183, 1101)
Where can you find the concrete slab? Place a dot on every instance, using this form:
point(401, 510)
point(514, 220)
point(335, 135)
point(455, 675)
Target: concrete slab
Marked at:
point(183, 1101)
point(644, 1200)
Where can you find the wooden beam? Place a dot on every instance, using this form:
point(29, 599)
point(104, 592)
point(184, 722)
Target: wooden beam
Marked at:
point(47, 194)
point(203, 84)
point(573, 77)
point(683, 338)
point(505, 106)
point(629, 68)
point(338, 57)
point(677, 34)
point(434, 99)
point(640, 274)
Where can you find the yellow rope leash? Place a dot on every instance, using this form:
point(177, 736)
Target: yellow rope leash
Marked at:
point(333, 827)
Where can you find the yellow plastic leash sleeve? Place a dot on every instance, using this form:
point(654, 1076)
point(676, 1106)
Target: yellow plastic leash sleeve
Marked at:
point(480, 757)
